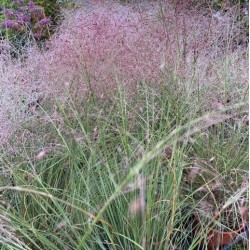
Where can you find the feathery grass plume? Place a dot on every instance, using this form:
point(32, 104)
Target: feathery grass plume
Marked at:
point(169, 147)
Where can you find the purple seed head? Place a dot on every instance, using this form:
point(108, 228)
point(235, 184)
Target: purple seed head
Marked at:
point(43, 22)
point(8, 24)
point(38, 35)
point(11, 24)
point(36, 14)
point(31, 4)
point(22, 9)
point(25, 18)
point(9, 14)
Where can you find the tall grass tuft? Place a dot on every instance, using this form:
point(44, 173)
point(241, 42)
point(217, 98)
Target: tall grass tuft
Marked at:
point(128, 131)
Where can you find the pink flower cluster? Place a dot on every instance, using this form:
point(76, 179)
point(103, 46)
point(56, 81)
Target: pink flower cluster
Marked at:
point(102, 46)
point(43, 22)
point(109, 44)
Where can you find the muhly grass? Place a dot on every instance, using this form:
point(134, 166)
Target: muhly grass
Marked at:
point(123, 176)
point(150, 154)
point(92, 48)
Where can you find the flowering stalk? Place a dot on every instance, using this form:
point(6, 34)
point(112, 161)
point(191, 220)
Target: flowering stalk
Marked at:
point(45, 22)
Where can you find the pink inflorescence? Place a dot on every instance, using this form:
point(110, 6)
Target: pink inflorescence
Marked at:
point(31, 4)
point(103, 45)
point(43, 22)
point(10, 24)
point(108, 44)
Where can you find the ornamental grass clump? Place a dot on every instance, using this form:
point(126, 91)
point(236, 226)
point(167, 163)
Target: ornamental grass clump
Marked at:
point(128, 129)
point(99, 46)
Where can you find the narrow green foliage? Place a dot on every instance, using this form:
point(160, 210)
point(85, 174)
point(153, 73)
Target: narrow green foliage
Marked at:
point(124, 169)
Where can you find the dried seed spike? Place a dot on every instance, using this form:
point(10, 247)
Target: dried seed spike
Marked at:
point(95, 133)
point(137, 206)
point(60, 225)
point(195, 170)
point(168, 153)
point(41, 155)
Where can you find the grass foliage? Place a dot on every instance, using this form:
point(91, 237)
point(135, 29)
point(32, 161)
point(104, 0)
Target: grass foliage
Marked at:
point(158, 164)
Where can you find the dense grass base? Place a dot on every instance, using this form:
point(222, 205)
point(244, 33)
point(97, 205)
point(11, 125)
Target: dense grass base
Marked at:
point(128, 172)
